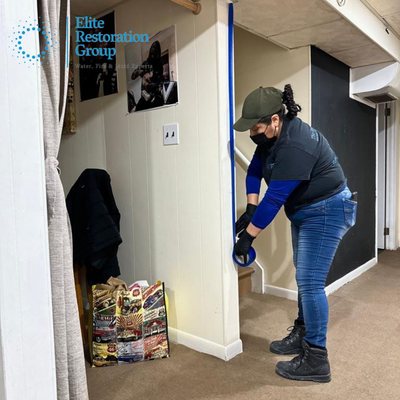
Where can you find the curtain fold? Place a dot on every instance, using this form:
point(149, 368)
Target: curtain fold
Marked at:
point(70, 363)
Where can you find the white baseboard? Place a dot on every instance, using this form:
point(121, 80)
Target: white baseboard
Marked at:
point(292, 294)
point(350, 276)
point(205, 346)
point(281, 292)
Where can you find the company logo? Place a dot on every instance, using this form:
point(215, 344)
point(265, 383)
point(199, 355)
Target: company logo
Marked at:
point(24, 48)
point(91, 41)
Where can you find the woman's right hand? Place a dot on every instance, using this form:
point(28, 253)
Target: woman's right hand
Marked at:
point(243, 245)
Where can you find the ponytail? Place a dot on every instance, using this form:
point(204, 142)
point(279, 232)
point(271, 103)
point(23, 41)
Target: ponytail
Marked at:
point(288, 100)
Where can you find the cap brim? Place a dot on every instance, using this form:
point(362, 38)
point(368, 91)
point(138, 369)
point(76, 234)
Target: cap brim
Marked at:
point(243, 124)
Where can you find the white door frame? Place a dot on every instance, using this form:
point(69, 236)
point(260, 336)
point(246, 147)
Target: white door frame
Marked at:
point(392, 179)
point(381, 166)
point(391, 176)
point(27, 359)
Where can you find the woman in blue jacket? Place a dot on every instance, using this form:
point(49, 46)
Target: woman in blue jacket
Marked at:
point(303, 175)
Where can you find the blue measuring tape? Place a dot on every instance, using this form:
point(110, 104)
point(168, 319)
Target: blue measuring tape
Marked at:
point(252, 253)
point(251, 256)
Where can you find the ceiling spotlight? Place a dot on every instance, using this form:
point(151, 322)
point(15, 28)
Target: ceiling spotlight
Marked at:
point(341, 3)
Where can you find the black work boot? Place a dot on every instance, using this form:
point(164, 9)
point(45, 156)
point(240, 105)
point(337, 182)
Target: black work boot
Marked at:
point(291, 344)
point(311, 365)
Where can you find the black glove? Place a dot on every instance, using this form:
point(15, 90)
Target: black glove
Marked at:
point(245, 218)
point(242, 246)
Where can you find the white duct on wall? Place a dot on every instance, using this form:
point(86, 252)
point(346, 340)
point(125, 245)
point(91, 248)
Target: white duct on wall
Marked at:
point(378, 83)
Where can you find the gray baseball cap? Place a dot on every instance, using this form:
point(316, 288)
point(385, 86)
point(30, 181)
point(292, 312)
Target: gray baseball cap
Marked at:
point(258, 104)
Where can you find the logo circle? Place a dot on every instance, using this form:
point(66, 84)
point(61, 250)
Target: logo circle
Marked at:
point(25, 49)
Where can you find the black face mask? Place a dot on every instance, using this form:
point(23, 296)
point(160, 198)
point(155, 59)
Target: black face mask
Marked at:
point(260, 138)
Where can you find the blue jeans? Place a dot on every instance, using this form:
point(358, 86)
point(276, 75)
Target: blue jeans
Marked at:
point(317, 230)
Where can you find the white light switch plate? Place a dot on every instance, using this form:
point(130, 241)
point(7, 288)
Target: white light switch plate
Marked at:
point(171, 134)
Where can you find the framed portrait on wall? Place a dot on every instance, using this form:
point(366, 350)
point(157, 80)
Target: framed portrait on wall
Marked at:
point(152, 72)
point(98, 74)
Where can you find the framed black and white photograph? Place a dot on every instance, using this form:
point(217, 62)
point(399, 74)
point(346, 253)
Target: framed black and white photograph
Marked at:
point(152, 77)
point(97, 73)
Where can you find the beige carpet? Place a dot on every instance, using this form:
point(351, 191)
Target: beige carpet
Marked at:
point(363, 345)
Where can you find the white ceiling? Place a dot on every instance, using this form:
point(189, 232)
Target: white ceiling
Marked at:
point(389, 10)
point(297, 23)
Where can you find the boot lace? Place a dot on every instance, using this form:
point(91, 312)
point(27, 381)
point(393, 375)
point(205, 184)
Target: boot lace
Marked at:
point(298, 360)
point(293, 332)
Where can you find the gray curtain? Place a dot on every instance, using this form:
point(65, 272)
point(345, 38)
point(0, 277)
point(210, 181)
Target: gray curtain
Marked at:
point(70, 364)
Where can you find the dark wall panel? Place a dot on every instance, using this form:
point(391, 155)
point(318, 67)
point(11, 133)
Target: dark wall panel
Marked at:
point(350, 128)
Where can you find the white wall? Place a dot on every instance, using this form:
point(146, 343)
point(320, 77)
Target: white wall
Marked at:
point(86, 148)
point(259, 62)
point(397, 134)
point(174, 200)
point(27, 360)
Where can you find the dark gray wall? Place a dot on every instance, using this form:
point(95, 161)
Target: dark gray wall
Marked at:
point(350, 128)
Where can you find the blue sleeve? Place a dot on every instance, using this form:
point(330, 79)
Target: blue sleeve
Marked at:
point(275, 197)
point(254, 176)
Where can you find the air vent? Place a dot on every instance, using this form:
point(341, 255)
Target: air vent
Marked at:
point(381, 98)
point(379, 83)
